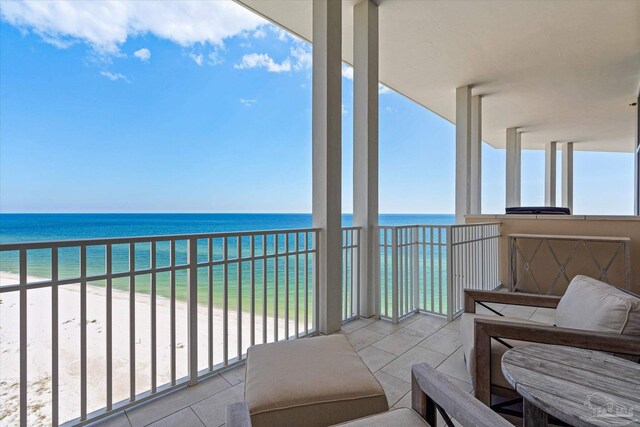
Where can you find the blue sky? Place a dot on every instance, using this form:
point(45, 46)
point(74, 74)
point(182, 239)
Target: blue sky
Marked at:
point(123, 112)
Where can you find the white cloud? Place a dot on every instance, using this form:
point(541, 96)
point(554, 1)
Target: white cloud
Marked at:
point(105, 26)
point(214, 58)
point(248, 102)
point(199, 58)
point(344, 110)
point(302, 56)
point(263, 60)
point(282, 34)
point(259, 33)
point(114, 76)
point(382, 89)
point(143, 54)
point(300, 59)
point(347, 72)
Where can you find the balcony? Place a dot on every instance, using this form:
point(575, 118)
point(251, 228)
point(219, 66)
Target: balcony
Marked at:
point(155, 330)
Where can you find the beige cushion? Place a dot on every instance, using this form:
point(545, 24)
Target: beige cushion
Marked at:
point(403, 417)
point(310, 382)
point(497, 350)
point(596, 306)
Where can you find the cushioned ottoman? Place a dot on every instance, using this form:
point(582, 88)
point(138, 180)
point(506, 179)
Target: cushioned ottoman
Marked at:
point(310, 382)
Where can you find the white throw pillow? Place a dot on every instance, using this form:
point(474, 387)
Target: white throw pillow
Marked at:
point(593, 305)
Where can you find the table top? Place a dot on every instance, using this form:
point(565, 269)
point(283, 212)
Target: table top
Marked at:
point(579, 387)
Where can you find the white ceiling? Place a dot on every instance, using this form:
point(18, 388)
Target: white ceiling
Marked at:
point(563, 70)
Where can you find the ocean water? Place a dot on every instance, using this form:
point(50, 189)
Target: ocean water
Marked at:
point(51, 227)
point(43, 227)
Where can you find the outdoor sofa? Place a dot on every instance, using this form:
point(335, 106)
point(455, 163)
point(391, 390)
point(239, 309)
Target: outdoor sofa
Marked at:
point(590, 315)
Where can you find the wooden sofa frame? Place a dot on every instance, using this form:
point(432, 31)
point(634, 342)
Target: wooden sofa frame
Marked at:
point(486, 330)
point(431, 392)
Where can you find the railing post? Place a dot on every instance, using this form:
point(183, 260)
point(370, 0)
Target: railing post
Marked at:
point(450, 273)
point(315, 288)
point(23, 337)
point(394, 275)
point(376, 242)
point(192, 303)
point(415, 275)
point(355, 268)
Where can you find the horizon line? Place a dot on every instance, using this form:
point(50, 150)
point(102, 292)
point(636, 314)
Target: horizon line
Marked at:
point(208, 213)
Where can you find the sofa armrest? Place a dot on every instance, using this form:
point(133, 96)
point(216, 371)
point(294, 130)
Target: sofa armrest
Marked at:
point(431, 389)
point(514, 298)
point(238, 415)
point(486, 329)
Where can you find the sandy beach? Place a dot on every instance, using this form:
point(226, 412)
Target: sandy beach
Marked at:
point(39, 347)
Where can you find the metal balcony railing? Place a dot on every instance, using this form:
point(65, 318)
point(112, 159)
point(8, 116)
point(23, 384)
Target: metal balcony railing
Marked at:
point(425, 268)
point(171, 310)
point(350, 273)
point(118, 321)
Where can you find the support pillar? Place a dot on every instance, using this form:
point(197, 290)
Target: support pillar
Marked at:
point(365, 148)
point(476, 156)
point(463, 152)
point(514, 164)
point(567, 175)
point(550, 167)
point(327, 159)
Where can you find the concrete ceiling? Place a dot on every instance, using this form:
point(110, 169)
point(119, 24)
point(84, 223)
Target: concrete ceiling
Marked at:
point(562, 70)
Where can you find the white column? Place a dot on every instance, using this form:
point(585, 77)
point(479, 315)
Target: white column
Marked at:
point(365, 147)
point(513, 175)
point(550, 173)
point(463, 152)
point(476, 155)
point(327, 158)
point(567, 175)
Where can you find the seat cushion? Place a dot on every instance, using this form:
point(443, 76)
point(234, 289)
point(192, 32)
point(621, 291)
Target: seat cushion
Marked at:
point(593, 305)
point(312, 382)
point(497, 350)
point(402, 417)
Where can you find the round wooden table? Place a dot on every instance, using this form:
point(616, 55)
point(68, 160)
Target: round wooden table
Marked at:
point(579, 387)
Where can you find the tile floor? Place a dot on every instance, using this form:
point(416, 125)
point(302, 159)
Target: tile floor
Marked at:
point(388, 350)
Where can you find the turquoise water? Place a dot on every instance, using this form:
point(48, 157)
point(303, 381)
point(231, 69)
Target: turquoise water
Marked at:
point(50, 227)
point(39, 227)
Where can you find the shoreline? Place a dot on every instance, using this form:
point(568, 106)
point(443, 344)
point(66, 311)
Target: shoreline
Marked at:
point(39, 344)
point(143, 287)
